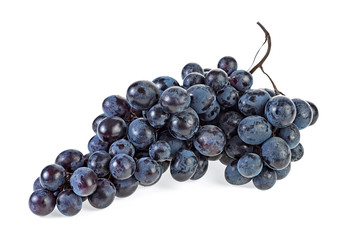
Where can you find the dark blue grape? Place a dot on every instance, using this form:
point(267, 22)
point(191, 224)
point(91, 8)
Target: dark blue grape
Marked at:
point(276, 153)
point(70, 160)
point(126, 187)
point(157, 117)
point(228, 97)
point(175, 144)
point(269, 91)
point(141, 154)
point(241, 80)
point(52, 177)
point(148, 171)
point(304, 113)
point(291, 135)
point(236, 148)
point(184, 125)
point(315, 113)
point(96, 122)
point(99, 162)
point(229, 122)
point(254, 130)
point(165, 165)
point(202, 98)
point(283, 173)
point(141, 134)
point(83, 181)
point(37, 185)
point(122, 166)
point(228, 64)
point(122, 146)
point(142, 95)
point(193, 79)
point(190, 68)
point(68, 203)
point(212, 113)
point(209, 140)
point(280, 111)
point(297, 153)
point(253, 102)
point(174, 100)
point(164, 83)
point(201, 168)
point(42, 202)
point(266, 179)
point(226, 160)
point(111, 129)
point(217, 79)
point(233, 176)
point(160, 151)
point(103, 195)
point(250, 165)
point(184, 165)
point(96, 144)
point(116, 106)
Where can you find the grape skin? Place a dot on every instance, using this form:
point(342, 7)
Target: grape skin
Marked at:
point(254, 130)
point(164, 82)
point(96, 144)
point(52, 177)
point(83, 181)
point(209, 141)
point(228, 64)
point(233, 176)
point(291, 135)
point(249, 165)
point(217, 79)
point(160, 151)
point(253, 102)
point(193, 79)
point(111, 129)
point(122, 166)
point(276, 153)
point(121, 146)
point(70, 160)
point(190, 68)
point(116, 105)
point(315, 113)
point(228, 97)
point(96, 122)
point(42, 202)
point(141, 134)
point(126, 187)
point(148, 171)
point(184, 125)
point(202, 98)
point(157, 117)
point(297, 153)
point(174, 100)
point(241, 80)
point(68, 203)
point(184, 165)
point(142, 95)
point(99, 162)
point(280, 111)
point(104, 194)
point(304, 113)
point(266, 179)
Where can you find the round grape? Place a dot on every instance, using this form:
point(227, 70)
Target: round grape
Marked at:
point(96, 121)
point(280, 111)
point(42, 202)
point(104, 194)
point(253, 102)
point(254, 130)
point(190, 68)
point(116, 106)
point(99, 162)
point(142, 95)
point(184, 165)
point(148, 171)
point(283, 173)
point(122, 166)
point(217, 79)
point(250, 165)
point(266, 179)
point(96, 144)
point(52, 177)
point(241, 80)
point(184, 125)
point(304, 114)
point(111, 129)
point(141, 134)
point(126, 187)
point(228, 97)
point(157, 117)
point(83, 181)
point(164, 83)
point(202, 98)
point(228, 64)
point(209, 140)
point(276, 153)
point(70, 160)
point(193, 79)
point(233, 176)
point(315, 113)
point(297, 153)
point(291, 135)
point(174, 100)
point(68, 203)
point(236, 148)
point(160, 151)
point(229, 122)
point(121, 146)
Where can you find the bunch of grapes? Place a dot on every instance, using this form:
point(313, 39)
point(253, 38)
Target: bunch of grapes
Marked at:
point(160, 125)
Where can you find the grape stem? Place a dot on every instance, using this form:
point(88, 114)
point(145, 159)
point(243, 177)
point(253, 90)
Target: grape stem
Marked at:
point(261, 62)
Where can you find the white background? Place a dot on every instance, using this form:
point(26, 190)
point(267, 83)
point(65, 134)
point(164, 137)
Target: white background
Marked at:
point(60, 59)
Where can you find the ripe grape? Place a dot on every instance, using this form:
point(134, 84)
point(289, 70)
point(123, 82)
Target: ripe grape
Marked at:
point(228, 64)
point(121, 146)
point(42, 202)
point(202, 98)
point(209, 140)
point(184, 125)
point(104, 194)
point(96, 144)
point(253, 102)
point(249, 165)
point(116, 105)
point(122, 166)
point(280, 111)
point(52, 177)
point(184, 165)
point(193, 79)
point(157, 117)
point(217, 79)
point(297, 153)
point(174, 100)
point(83, 181)
point(190, 68)
point(304, 113)
point(233, 176)
point(68, 203)
point(283, 173)
point(254, 130)
point(142, 95)
point(111, 129)
point(99, 162)
point(291, 135)
point(148, 171)
point(141, 134)
point(164, 83)
point(241, 80)
point(96, 122)
point(70, 160)
point(266, 179)
point(160, 151)
point(276, 153)
point(315, 113)
point(228, 97)
point(126, 187)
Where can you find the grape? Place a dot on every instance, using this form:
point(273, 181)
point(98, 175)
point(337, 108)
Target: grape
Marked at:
point(193, 79)
point(164, 83)
point(42, 202)
point(116, 106)
point(211, 113)
point(201, 168)
point(206, 70)
point(99, 162)
point(142, 95)
point(241, 80)
point(122, 166)
point(148, 171)
point(68, 203)
point(126, 187)
point(228, 64)
point(96, 121)
point(157, 117)
point(280, 111)
point(184, 125)
point(202, 98)
point(85, 159)
point(190, 68)
point(111, 129)
point(141, 154)
point(96, 144)
point(249, 165)
point(315, 113)
point(175, 144)
point(121, 146)
point(184, 165)
point(233, 176)
point(254, 130)
point(103, 195)
point(228, 97)
point(253, 102)
point(304, 113)
point(52, 177)
point(141, 134)
point(160, 151)
point(226, 160)
point(276, 153)
point(236, 148)
point(266, 179)
point(83, 181)
point(283, 173)
point(229, 122)
point(217, 79)
point(70, 160)
point(165, 165)
point(174, 100)
point(37, 185)
point(291, 135)
point(269, 91)
point(297, 153)
point(209, 140)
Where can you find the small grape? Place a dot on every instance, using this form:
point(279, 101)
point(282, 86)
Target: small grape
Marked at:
point(174, 100)
point(42, 202)
point(304, 114)
point(266, 179)
point(297, 153)
point(104, 194)
point(164, 82)
point(228, 64)
point(142, 95)
point(190, 68)
point(209, 140)
point(241, 80)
